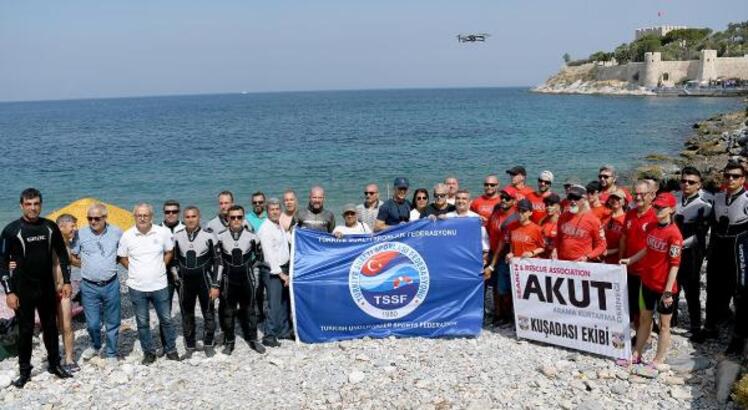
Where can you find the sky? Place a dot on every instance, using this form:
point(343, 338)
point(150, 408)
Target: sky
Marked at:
point(52, 49)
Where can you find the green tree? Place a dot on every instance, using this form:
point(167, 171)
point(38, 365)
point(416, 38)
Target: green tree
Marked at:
point(646, 44)
point(601, 56)
point(622, 53)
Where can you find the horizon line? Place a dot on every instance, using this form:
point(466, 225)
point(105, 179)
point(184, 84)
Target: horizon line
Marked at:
point(243, 92)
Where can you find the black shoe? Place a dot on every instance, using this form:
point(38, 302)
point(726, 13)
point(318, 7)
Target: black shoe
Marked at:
point(735, 347)
point(160, 352)
point(697, 336)
point(271, 342)
point(148, 358)
point(22, 379)
point(257, 346)
point(210, 351)
point(188, 353)
point(228, 348)
point(172, 356)
point(710, 333)
point(59, 371)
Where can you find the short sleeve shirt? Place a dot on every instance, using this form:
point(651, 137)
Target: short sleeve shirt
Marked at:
point(98, 253)
point(664, 245)
point(145, 253)
point(393, 213)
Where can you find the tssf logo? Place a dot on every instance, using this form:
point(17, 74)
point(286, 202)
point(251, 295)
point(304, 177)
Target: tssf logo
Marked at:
point(389, 280)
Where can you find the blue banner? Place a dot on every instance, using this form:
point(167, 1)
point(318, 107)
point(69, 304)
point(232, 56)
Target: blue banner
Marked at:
point(423, 278)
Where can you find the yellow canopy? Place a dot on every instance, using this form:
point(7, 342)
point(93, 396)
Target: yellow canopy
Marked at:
point(116, 216)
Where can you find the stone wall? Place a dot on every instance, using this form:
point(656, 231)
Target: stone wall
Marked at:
point(732, 67)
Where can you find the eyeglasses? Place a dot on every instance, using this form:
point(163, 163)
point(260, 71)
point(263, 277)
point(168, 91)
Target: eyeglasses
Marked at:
point(603, 176)
point(236, 217)
point(95, 218)
point(143, 216)
point(488, 184)
point(544, 182)
point(422, 198)
point(171, 211)
point(728, 175)
point(688, 182)
point(440, 195)
point(370, 193)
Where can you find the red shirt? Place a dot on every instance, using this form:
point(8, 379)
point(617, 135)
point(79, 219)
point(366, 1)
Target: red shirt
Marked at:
point(664, 245)
point(538, 206)
point(635, 229)
point(602, 212)
point(550, 231)
point(613, 227)
point(604, 195)
point(484, 206)
point(523, 192)
point(579, 235)
point(526, 238)
point(494, 226)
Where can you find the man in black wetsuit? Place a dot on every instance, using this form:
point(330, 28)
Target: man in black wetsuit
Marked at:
point(29, 242)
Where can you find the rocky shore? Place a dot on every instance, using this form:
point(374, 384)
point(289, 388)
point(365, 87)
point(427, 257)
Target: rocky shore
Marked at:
point(712, 143)
point(581, 80)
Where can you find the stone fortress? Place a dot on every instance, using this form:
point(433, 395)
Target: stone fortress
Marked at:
point(654, 72)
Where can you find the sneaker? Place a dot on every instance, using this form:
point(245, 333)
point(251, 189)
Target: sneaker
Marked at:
point(228, 349)
point(89, 353)
point(210, 351)
point(173, 356)
point(148, 358)
point(271, 342)
point(257, 346)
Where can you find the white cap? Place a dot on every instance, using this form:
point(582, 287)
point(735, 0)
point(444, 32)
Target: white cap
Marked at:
point(546, 176)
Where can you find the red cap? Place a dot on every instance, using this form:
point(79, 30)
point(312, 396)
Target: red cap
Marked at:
point(510, 190)
point(665, 199)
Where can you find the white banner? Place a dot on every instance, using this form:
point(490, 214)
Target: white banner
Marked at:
point(582, 306)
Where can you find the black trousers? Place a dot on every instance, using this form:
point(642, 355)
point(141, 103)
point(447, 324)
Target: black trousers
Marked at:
point(195, 288)
point(42, 298)
point(721, 280)
point(276, 323)
point(689, 280)
point(238, 300)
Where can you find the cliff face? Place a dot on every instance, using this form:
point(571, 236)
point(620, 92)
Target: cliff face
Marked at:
point(583, 80)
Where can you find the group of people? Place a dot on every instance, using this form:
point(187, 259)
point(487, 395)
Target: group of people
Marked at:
point(242, 258)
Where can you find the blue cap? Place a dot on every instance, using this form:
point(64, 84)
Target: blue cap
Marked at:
point(401, 182)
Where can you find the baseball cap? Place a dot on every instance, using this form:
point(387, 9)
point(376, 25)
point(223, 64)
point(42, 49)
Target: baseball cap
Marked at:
point(524, 205)
point(577, 191)
point(517, 170)
point(349, 208)
point(510, 190)
point(572, 181)
point(401, 182)
point(546, 176)
point(663, 200)
point(552, 199)
point(618, 194)
point(594, 186)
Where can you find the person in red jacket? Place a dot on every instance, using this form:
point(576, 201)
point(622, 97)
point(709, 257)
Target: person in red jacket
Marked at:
point(580, 234)
point(660, 260)
point(634, 240)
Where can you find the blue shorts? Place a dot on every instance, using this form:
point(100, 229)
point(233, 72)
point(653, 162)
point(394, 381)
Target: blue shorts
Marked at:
point(504, 282)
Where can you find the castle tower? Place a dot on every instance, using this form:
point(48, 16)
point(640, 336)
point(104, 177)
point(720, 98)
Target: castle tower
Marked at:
point(651, 69)
point(707, 66)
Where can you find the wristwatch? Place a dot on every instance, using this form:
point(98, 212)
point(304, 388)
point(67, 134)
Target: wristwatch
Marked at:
point(667, 294)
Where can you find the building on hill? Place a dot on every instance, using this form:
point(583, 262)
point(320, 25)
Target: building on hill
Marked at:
point(659, 31)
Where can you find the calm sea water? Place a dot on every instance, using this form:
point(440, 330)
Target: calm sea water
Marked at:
point(189, 148)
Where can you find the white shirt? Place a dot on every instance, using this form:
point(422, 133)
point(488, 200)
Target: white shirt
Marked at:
point(145, 253)
point(358, 228)
point(274, 240)
point(471, 214)
point(415, 215)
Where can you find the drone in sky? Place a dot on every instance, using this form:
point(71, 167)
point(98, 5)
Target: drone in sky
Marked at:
point(472, 38)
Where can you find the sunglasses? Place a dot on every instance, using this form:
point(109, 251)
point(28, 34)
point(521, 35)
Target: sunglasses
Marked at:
point(573, 197)
point(258, 202)
point(440, 195)
point(489, 184)
point(544, 182)
point(422, 198)
point(171, 211)
point(95, 218)
point(728, 175)
point(688, 182)
point(603, 176)
point(370, 193)
point(236, 217)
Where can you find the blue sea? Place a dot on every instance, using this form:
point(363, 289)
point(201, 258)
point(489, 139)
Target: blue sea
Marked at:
point(189, 148)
